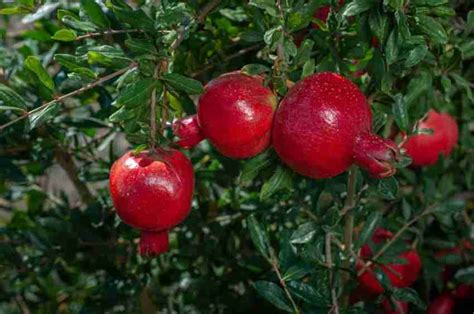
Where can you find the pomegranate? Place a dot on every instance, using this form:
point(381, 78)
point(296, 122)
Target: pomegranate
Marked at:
point(424, 149)
point(235, 113)
point(464, 292)
point(323, 125)
point(400, 275)
point(443, 304)
point(399, 307)
point(322, 13)
point(152, 191)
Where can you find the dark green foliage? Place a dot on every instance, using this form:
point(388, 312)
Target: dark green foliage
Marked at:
point(256, 240)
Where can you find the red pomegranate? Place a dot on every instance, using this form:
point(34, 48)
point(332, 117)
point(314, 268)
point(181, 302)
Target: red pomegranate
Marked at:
point(443, 304)
point(235, 113)
point(322, 13)
point(424, 149)
point(399, 307)
point(324, 124)
point(152, 191)
point(400, 275)
point(464, 292)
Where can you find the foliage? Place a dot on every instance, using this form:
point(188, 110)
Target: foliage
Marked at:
point(78, 75)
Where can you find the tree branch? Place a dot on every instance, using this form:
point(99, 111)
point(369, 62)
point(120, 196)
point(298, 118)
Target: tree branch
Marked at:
point(274, 263)
point(207, 9)
point(335, 305)
point(109, 32)
point(73, 93)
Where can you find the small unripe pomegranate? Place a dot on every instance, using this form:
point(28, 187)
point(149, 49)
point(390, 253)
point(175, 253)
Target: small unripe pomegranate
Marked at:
point(324, 124)
point(399, 307)
point(424, 149)
point(152, 191)
point(400, 275)
point(235, 113)
point(443, 304)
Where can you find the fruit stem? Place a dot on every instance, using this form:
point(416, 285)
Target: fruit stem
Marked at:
point(349, 224)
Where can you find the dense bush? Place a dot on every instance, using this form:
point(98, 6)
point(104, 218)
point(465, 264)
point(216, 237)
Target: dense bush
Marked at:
point(78, 75)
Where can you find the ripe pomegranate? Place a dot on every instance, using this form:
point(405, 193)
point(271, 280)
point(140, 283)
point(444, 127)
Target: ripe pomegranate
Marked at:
point(399, 307)
point(152, 191)
point(324, 124)
point(424, 149)
point(400, 275)
point(235, 113)
point(464, 291)
point(322, 13)
point(443, 304)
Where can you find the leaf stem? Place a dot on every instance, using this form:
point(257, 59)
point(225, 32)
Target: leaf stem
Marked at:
point(109, 32)
point(274, 263)
point(73, 93)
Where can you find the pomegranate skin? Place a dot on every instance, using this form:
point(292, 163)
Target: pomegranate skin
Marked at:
point(323, 125)
point(188, 131)
point(152, 192)
point(322, 13)
point(400, 275)
point(424, 149)
point(443, 304)
point(400, 307)
point(235, 113)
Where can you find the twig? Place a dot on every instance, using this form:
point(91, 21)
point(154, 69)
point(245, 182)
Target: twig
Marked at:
point(153, 114)
point(274, 263)
point(335, 305)
point(387, 245)
point(207, 9)
point(73, 93)
point(109, 32)
point(22, 304)
point(179, 39)
point(349, 222)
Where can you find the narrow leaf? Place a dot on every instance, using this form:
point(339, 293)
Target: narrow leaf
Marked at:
point(273, 294)
point(34, 65)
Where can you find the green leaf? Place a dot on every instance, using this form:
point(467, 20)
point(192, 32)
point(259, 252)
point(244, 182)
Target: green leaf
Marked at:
point(304, 52)
point(378, 23)
point(465, 275)
point(409, 295)
point(65, 35)
point(10, 98)
point(258, 236)
point(38, 118)
point(268, 5)
point(136, 18)
point(370, 225)
point(183, 83)
point(388, 188)
point(95, 14)
point(273, 294)
point(281, 179)
point(297, 271)
point(34, 65)
point(255, 69)
point(253, 166)
point(306, 293)
point(432, 28)
point(69, 61)
point(140, 46)
point(137, 93)
point(356, 7)
point(416, 55)
point(450, 206)
point(400, 112)
point(392, 47)
point(467, 50)
point(77, 24)
point(308, 68)
point(15, 10)
point(470, 21)
point(304, 233)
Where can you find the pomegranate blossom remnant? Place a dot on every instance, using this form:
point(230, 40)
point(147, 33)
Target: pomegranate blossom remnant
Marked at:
point(324, 124)
point(235, 113)
point(152, 191)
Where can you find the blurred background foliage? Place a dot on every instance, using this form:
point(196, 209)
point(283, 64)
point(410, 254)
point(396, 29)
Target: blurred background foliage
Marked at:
point(62, 248)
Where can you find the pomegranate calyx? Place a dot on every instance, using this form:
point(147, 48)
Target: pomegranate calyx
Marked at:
point(376, 155)
point(153, 243)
